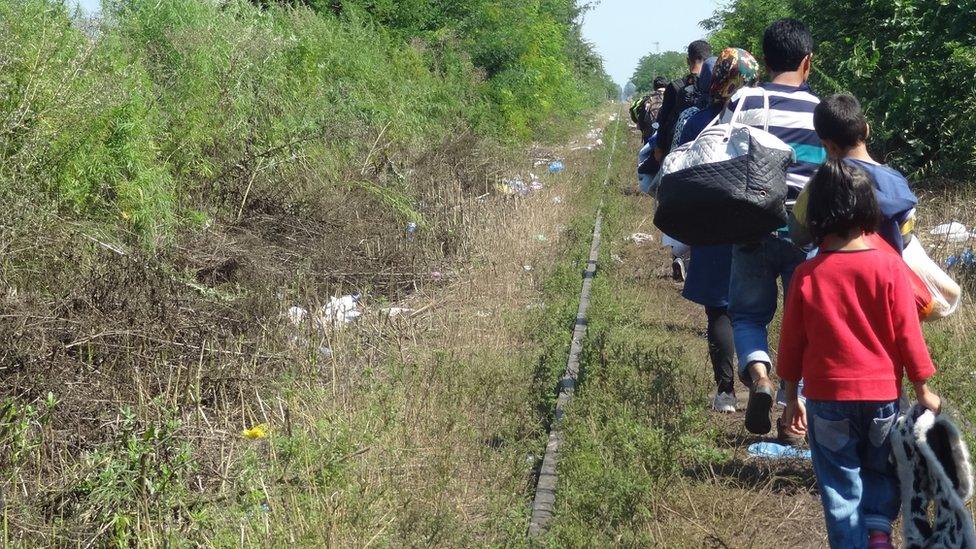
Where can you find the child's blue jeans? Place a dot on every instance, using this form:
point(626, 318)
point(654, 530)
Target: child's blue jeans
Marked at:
point(851, 447)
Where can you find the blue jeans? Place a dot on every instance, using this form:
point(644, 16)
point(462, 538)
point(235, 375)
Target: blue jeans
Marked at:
point(851, 447)
point(753, 295)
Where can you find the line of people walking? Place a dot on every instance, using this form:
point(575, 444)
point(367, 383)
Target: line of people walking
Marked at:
point(851, 328)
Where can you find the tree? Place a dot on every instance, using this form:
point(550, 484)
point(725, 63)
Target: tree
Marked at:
point(670, 64)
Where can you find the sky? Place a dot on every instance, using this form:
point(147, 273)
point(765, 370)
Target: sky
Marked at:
point(90, 6)
point(626, 30)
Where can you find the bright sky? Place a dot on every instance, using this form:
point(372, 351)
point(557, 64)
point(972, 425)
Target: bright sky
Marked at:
point(90, 6)
point(626, 30)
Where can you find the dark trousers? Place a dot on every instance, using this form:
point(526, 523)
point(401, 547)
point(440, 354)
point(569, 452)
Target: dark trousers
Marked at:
point(721, 347)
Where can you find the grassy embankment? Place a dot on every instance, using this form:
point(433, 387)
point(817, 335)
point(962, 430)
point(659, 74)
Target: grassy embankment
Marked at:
point(180, 176)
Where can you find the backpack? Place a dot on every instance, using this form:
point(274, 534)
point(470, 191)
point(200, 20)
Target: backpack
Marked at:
point(685, 94)
point(726, 187)
point(636, 109)
point(688, 95)
point(652, 106)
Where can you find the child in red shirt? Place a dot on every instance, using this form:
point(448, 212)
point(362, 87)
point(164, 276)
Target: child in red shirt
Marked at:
point(850, 331)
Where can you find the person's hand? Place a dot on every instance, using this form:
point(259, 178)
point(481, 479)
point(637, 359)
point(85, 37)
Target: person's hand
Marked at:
point(795, 417)
point(928, 399)
point(658, 154)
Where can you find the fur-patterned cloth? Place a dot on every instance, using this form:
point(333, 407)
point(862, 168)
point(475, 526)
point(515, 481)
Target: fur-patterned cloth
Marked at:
point(933, 467)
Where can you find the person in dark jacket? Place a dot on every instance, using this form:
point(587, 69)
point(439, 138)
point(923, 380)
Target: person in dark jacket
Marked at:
point(678, 96)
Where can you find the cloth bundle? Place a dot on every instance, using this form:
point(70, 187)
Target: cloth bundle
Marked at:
point(934, 468)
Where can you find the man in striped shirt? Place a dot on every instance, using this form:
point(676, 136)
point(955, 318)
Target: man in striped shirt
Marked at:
point(753, 294)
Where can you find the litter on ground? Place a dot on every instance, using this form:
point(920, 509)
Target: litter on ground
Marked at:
point(556, 166)
point(394, 312)
point(339, 312)
point(256, 432)
point(952, 231)
point(297, 315)
point(773, 450)
point(640, 238)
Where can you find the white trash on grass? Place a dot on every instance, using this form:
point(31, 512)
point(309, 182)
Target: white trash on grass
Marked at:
point(953, 231)
point(297, 315)
point(640, 238)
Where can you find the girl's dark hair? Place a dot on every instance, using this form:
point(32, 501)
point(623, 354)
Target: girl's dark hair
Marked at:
point(841, 200)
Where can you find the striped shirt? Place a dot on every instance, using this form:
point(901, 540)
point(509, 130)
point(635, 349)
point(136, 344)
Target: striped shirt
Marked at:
point(791, 120)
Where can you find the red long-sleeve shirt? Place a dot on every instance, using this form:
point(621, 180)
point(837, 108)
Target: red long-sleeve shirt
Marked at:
point(851, 328)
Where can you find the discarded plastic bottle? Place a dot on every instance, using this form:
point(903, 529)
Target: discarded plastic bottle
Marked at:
point(411, 230)
point(967, 257)
point(556, 166)
point(952, 260)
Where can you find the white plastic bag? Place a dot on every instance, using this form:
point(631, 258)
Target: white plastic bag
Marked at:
point(952, 231)
point(946, 294)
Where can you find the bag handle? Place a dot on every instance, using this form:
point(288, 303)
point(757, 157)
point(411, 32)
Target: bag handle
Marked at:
point(767, 111)
point(735, 116)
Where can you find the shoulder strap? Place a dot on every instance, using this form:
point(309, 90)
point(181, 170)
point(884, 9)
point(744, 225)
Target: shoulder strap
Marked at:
point(766, 109)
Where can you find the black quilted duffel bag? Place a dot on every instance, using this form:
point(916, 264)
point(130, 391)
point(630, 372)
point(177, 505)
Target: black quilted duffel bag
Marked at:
point(726, 187)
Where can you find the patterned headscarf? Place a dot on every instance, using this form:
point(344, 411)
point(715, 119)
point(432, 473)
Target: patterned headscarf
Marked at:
point(734, 69)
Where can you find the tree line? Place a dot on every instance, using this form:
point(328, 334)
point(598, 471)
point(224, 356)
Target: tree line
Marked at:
point(912, 63)
point(159, 108)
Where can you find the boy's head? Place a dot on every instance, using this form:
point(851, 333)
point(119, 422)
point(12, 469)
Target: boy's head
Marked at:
point(840, 124)
point(698, 52)
point(660, 82)
point(841, 202)
point(788, 47)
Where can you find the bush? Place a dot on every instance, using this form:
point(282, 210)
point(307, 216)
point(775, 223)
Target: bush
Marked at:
point(172, 106)
point(910, 62)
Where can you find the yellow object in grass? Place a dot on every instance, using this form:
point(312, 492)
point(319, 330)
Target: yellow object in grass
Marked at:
point(256, 432)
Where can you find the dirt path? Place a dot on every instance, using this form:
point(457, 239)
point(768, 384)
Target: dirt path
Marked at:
point(646, 462)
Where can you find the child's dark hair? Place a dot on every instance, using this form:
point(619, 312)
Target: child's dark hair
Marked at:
point(699, 50)
point(839, 118)
point(841, 200)
point(660, 82)
point(785, 43)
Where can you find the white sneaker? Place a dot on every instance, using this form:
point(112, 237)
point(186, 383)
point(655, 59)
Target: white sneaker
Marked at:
point(678, 269)
point(724, 403)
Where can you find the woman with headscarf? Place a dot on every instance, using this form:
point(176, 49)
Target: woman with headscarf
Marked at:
point(707, 280)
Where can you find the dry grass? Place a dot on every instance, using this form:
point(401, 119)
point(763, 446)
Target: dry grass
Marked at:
point(131, 376)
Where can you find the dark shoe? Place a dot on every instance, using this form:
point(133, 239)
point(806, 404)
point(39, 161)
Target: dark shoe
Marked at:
point(787, 438)
point(757, 410)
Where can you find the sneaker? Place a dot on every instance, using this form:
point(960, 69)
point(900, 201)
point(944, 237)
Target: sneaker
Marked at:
point(880, 540)
point(724, 403)
point(678, 269)
point(787, 438)
point(757, 410)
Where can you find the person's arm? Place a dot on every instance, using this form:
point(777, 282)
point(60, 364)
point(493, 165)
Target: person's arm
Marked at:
point(795, 414)
point(907, 328)
point(909, 339)
point(663, 115)
point(793, 335)
point(792, 344)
